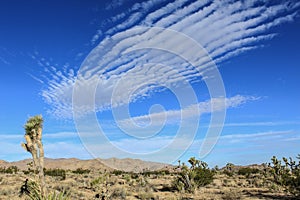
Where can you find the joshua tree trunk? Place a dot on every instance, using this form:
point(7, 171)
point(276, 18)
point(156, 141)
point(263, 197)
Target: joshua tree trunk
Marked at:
point(41, 167)
point(32, 149)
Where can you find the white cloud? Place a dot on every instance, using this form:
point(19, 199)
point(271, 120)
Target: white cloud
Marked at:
point(257, 136)
point(195, 110)
point(60, 135)
point(96, 37)
point(114, 4)
point(250, 141)
point(224, 28)
point(4, 61)
point(139, 146)
point(4, 137)
point(267, 123)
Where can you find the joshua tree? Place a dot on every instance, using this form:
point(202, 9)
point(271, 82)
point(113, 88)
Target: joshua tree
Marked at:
point(193, 162)
point(33, 136)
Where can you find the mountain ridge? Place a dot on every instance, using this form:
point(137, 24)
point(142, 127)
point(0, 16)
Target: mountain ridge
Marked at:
point(110, 164)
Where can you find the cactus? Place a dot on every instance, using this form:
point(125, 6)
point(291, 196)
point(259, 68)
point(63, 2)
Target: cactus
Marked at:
point(33, 136)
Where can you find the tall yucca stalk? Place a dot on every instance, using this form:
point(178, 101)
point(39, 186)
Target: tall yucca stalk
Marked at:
point(33, 136)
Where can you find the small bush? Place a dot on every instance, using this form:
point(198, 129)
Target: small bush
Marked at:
point(9, 170)
point(81, 171)
point(196, 176)
point(228, 173)
point(118, 172)
point(162, 172)
point(29, 171)
point(118, 193)
point(246, 171)
point(56, 173)
point(98, 181)
point(32, 191)
point(126, 177)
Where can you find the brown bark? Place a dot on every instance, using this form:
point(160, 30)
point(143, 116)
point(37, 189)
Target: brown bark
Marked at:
point(33, 150)
point(41, 167)
point(39, 134)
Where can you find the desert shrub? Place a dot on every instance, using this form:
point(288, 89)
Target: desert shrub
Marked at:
point(33, 192)
point(118, 172)
point(81, 171)
point(229, 169)
point(196, 176)
point(231, 195)
point(126, 177)
point(29, 171)
point(142, 181)
point(56, 173)
point(246, 171)
point(228, 173)
point(58, 196)
point(118, 193)
point(286, 174)
point(162, 172)
point(134, 175)
point(9, 170)
point(98, 181)
point(146, 196)
point(147, 173)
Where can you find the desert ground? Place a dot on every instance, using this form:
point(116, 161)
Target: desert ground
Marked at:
point(135, 179)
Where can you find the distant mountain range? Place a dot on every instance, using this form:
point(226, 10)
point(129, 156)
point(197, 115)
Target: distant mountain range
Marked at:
point(127, 164)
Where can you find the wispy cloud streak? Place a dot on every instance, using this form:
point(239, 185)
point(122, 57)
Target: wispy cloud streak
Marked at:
point(224, 28)
point(174, 116)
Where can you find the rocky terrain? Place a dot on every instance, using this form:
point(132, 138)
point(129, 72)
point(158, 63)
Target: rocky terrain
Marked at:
point(136, 179)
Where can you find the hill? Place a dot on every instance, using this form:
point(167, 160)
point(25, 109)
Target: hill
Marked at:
point(127, 164)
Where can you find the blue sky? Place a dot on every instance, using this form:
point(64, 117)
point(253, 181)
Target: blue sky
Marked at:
point(84, 65)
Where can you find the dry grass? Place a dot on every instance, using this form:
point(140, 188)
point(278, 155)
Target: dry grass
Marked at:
point(94, 185)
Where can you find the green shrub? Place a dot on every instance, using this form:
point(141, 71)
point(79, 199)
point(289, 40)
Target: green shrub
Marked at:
point(287, 174)
point(29, 171)
point(118, 172)
point(228, 173)
point(246, 171)
point(33, 192)
point(9, 170)
point(126, 177)
point(162, 172)
point(134, 175)
point(56, 173)
point(229, 169)
point(97, 181)
point(196, 176)
point(81, 171)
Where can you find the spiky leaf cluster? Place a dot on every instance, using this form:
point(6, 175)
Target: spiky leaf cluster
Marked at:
point(286, 174)
point(33, 124)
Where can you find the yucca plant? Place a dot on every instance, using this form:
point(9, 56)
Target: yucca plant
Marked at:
point(32, 191)
point(33, 136)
